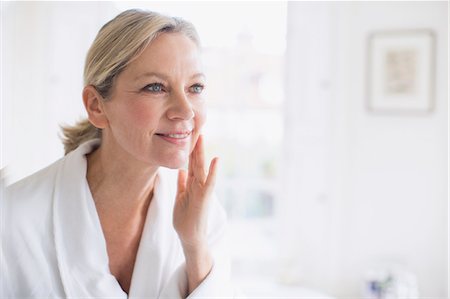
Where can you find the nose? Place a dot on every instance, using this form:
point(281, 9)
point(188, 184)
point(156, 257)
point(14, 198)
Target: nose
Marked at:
point(180, 107)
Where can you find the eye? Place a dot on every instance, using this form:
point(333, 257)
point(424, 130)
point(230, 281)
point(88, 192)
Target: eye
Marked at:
point(197, 88)
point(154, 87)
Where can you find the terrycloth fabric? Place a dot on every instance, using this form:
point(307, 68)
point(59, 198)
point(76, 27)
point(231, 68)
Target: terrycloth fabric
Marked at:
point(52, 244)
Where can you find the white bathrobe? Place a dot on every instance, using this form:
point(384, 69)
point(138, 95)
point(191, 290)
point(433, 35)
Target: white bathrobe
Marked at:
point(52, 244)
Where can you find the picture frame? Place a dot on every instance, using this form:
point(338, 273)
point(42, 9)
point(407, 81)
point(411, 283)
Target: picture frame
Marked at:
point(401, 71)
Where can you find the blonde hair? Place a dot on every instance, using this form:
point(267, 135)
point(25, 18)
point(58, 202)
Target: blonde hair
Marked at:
point(119, 42)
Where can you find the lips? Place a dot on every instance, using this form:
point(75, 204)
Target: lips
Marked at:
point(178, 137)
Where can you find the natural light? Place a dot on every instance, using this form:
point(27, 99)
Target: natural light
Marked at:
point(243, 56)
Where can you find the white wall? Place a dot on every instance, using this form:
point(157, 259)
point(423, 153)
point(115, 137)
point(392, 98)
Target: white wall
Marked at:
point(358, 188)
point(41, 88)
point(362, 189)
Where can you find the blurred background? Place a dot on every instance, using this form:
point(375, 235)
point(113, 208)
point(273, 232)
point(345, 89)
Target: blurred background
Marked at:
point(331, 119)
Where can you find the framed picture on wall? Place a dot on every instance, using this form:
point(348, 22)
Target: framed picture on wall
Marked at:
point(401, 68)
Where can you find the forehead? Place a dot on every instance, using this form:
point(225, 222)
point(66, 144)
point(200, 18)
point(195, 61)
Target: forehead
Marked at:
point(169, 53)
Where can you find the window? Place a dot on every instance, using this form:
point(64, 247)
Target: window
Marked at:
point(243, 46)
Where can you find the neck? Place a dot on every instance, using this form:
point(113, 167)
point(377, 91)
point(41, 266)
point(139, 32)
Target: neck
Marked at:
point(118, 184)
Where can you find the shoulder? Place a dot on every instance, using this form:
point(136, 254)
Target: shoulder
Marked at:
point(27, 246)
point(33, 184)
point(33, 187)
point(28, 201)
point(42, 183)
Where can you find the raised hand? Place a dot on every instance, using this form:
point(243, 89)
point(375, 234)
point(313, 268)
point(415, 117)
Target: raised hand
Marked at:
point(194, 193)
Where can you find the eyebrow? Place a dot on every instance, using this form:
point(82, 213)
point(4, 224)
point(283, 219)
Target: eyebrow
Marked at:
point(165, 77)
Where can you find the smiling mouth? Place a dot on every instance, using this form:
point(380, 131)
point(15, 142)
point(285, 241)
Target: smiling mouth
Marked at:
point(176, 135)
point(178, 138)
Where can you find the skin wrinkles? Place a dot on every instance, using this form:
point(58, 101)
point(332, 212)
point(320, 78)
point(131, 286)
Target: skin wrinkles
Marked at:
point(122, 171)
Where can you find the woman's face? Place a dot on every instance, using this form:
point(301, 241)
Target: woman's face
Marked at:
point(156, 109)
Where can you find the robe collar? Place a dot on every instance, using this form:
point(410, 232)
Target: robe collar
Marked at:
point(80, 244)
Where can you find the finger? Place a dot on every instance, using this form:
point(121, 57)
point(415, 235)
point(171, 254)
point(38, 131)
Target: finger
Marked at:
point(212, 174)
point(191, 160)
point(181, 184)
point(199, 165)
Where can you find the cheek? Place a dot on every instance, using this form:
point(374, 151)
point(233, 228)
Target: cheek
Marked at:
point(142, 114)
point(200, 119)
point(200, 116)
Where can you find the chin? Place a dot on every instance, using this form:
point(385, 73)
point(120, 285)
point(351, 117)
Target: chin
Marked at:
point(173, 166)
point(174, 163)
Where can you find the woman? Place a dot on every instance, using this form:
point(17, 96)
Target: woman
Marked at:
point(110, 219)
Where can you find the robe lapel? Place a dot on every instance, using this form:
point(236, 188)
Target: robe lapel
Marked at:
point(159, 250)
point(79, 241)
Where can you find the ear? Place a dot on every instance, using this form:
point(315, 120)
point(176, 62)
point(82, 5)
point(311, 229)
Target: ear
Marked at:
point(93, 102)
